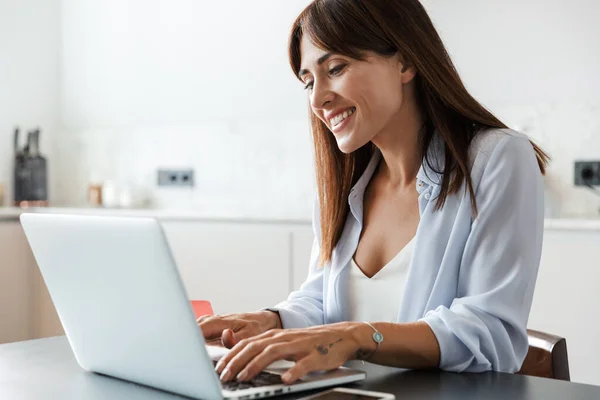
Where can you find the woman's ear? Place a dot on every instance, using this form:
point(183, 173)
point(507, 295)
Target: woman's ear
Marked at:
point(407, 73)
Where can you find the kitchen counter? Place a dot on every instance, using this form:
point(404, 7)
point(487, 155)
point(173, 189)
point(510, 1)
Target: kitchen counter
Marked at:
point(591, 224)
point(12, 214)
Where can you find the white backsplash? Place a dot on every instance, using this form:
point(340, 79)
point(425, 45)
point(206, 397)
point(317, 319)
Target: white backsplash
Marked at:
point(260, 169)
point(569, 132)
point(264, 169)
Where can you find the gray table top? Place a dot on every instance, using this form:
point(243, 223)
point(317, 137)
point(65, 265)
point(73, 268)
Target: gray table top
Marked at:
point(46, 369)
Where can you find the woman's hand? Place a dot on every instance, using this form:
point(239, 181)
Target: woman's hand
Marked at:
point(318, 348)
point(230, 329)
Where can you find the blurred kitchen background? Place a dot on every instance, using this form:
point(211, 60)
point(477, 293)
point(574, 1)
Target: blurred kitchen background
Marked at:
point(121, 89)
point(202, 91)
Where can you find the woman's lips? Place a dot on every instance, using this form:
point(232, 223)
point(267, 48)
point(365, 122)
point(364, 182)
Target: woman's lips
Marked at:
point(339, 127)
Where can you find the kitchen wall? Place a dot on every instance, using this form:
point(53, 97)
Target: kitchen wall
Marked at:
point(29, 75)
point(536, 65)
point(147, 84)
point(150, 84)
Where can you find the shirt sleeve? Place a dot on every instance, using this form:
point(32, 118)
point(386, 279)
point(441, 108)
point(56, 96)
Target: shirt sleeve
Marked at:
point(485, 327)
point(304, 307)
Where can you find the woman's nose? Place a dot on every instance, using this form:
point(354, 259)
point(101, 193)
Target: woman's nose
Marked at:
point(321, 95)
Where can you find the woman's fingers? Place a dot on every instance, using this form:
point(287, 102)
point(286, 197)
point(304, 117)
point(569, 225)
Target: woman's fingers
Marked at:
point(241, 342)
point(271, 353)
point(310, 363)
point(213, 327)
point(313, 349)
point(233, 362)
point(256, 355)
point(253, 349)
point(228, 338)
point(242, 325)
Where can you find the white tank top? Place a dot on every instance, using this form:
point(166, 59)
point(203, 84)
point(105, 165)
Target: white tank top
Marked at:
point(377, 299)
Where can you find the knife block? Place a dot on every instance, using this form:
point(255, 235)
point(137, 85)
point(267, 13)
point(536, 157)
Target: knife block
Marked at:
point(30, 175)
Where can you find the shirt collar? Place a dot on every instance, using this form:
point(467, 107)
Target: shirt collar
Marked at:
point(355, 200)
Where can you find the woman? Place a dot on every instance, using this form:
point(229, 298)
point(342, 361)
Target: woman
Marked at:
point(441, 276)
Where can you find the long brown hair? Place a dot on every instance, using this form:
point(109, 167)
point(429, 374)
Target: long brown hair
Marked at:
point(389, 27)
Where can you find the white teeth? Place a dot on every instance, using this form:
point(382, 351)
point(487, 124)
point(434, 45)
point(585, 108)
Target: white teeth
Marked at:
point(340, 117)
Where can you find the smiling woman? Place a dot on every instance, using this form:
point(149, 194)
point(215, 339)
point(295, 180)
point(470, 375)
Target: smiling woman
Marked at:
point(429, 219)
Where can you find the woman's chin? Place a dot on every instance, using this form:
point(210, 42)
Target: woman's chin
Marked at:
point(347, 145)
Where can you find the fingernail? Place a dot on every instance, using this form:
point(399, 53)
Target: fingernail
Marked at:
point(225, 375)
point(219, 366)
point(286, 377)
point(242, 375)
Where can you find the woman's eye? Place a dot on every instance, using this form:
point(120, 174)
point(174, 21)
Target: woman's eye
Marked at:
point(336, 70)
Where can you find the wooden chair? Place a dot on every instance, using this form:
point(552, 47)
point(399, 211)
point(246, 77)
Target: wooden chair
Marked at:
point(547, 356)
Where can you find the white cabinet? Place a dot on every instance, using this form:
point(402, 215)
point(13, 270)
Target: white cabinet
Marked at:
point(16, 279)
point(302, 241)
point(46, 321)
point(567, 296)
point(238, 267)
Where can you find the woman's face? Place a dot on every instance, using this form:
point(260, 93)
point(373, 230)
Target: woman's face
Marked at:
point(357, 100)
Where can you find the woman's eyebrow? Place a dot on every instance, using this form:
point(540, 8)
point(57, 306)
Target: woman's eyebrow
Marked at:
point(320, 61)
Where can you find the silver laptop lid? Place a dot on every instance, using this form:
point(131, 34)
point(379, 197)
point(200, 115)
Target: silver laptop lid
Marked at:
point(121, 301)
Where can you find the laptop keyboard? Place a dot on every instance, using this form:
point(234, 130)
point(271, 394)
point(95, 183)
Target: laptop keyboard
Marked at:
point(262, 379)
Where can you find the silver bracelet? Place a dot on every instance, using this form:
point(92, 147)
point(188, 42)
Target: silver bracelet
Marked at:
point(377, 338)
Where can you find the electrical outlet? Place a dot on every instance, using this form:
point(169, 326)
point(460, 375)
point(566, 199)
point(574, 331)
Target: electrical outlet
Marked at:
point(587, 173)
point(176, 177)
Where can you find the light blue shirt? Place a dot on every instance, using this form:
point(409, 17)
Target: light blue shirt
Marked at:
point(471, 280)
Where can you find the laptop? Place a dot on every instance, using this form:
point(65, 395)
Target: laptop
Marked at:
point(126, 313)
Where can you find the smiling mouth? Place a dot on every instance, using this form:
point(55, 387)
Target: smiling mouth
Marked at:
point(338, 119)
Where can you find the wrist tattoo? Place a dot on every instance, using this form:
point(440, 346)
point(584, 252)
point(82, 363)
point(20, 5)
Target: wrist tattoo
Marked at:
point(324, 349)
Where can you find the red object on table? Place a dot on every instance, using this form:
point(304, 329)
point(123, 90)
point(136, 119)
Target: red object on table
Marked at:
point(202, 307)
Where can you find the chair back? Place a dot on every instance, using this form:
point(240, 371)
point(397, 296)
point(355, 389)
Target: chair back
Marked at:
point(547, 356)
